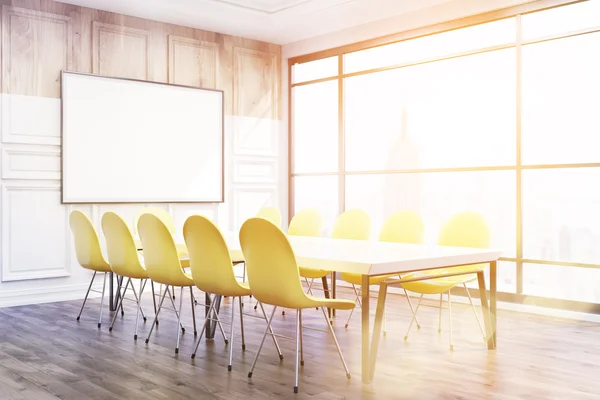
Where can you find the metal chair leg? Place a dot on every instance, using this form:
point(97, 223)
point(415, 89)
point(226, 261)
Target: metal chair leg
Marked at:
point(231, 333)
point(337, 345)
point(192, 300)
point(171, 297)
point(153, 298)
point(242, 324)
point(475, 312)
point(206, 321)
point(356, 300)
point(86, 295)
point(137, 300)
point(139, 306)
point(413, 318)
point(301, 346)
point(179, 320)
point(272, 333)
point(120, 298)
point(162, 299)
point(102, 300)
point(262, 342)
point(411, 308)
point(298, 317)
point(450, 318)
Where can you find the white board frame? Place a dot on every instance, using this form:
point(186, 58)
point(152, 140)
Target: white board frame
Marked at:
point(65, 200)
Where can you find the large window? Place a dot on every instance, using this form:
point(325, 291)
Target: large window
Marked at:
point(500, 117)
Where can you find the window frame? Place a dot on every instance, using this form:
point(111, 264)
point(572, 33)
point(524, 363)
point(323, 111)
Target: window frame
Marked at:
point(511, 12)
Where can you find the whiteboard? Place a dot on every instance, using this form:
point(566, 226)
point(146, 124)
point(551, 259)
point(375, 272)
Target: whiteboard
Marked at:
point(130, 141)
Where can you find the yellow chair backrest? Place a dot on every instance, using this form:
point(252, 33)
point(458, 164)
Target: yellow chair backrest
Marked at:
point(352, 224)
point(87, 245)
point(164, 216)
point(122, 251)
point(272, 269)
point(210, 261)
point(271, 214)
point(160, 253)
point(465, 229)
point(402, 227)
point(306, 223)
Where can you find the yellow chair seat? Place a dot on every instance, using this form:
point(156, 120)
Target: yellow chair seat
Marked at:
point(356, 279)
point(313, 302)
point(312, 273)
point(440, 285)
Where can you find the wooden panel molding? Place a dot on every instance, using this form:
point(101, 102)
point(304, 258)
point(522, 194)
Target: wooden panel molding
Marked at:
point(36, 46)
point(120, 51)
point(255, 83)
point(193, 62)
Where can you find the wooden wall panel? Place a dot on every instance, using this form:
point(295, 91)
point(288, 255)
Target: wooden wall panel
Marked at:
point(255, 86)
point(101, 42)
point(193, 62)
point(36, 46)
point(120, 51)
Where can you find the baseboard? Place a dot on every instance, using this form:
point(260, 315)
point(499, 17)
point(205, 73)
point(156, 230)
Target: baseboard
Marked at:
point(549, 312)
point(48, 294)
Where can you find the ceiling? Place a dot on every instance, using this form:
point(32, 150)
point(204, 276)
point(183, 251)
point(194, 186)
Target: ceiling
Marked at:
point(275, 21)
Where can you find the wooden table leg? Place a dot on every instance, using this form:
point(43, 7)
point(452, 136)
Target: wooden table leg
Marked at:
point(379, 315)
point(365, 325)
point(333, 287)
point(493, 291)
point(326, 291)
point(486, 310)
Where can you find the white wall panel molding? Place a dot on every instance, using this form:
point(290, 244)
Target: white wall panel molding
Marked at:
point(36, 240)
point(31, 162)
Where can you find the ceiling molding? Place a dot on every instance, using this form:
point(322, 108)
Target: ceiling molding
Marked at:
point(274, 21)
point(274, 8)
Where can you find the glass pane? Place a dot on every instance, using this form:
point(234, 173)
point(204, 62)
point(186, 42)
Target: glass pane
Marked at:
point(436, 197)
point(452, 113)
point(433, 46)
point(561, 215)
point(506, 278)
point(320, 192)
point(312, 70)
point(555, 281)
point(561, 98)
point(559, 20)
point(315, 127)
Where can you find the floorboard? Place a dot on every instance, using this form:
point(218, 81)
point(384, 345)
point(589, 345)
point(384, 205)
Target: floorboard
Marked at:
point(46, 354)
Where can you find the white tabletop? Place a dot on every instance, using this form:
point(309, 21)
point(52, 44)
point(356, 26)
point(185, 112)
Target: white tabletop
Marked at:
point(373, 257)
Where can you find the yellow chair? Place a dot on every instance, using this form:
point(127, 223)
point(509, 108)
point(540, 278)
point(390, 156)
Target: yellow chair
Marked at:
point(274, 279)
point(466, 229)
point(88, 252)
point(354, 224)
point(167, 219)
point(161, 259)
point(124, 261)
point(212, 271)
point(403, 226)
point(308, 223)
point(271, 214)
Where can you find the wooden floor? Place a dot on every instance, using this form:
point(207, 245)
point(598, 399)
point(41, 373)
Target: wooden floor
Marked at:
point(46, 354)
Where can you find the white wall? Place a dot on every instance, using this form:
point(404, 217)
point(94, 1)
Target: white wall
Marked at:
point(38, 263)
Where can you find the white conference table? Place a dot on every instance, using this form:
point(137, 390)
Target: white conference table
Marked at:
point(373, 258)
